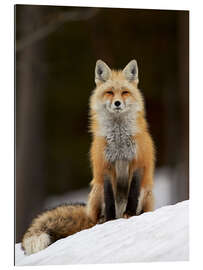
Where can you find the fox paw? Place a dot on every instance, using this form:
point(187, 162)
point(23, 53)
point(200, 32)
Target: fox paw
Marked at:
point(36, 243)
point(127, 215)
point(101, 220)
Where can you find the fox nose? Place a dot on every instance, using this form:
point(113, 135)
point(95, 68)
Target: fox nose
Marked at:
point(117, 103)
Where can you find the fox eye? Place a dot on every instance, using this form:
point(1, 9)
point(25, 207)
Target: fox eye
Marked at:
point(109, 92)
point(125, 92)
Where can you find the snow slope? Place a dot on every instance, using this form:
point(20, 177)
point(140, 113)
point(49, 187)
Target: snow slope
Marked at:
point(161, 235)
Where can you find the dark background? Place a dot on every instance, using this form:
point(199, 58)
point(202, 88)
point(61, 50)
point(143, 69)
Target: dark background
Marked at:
point(55, 52)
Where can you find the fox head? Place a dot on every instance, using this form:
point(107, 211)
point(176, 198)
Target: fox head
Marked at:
point(116, 91)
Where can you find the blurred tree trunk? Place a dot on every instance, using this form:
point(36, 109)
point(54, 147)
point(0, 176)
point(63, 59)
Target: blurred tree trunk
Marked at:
point(183, 53)
point(29, 127)
point(177, 112)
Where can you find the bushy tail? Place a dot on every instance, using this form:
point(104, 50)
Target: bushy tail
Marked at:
point(54, 224)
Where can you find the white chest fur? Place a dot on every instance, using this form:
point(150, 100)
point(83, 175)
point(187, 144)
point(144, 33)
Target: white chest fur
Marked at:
point(118, 131)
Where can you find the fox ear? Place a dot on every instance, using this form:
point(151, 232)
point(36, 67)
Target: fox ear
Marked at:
point(102, 72)
point(131, 71)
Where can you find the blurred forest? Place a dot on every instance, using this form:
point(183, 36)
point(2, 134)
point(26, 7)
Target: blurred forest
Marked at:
point(55, 52)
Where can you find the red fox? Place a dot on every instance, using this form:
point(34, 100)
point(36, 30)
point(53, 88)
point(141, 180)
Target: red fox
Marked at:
point(122, 159)
point(121, 143)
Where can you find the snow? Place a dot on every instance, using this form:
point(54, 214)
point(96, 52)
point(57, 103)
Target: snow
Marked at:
point(161, 235)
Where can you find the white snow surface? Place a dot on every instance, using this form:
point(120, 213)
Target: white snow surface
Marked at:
point(162, 235)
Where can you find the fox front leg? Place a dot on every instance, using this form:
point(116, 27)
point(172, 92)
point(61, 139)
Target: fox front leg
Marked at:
point(133, 196)
point(109, 201)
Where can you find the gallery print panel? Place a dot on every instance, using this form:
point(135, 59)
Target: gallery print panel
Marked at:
point(101, 97)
